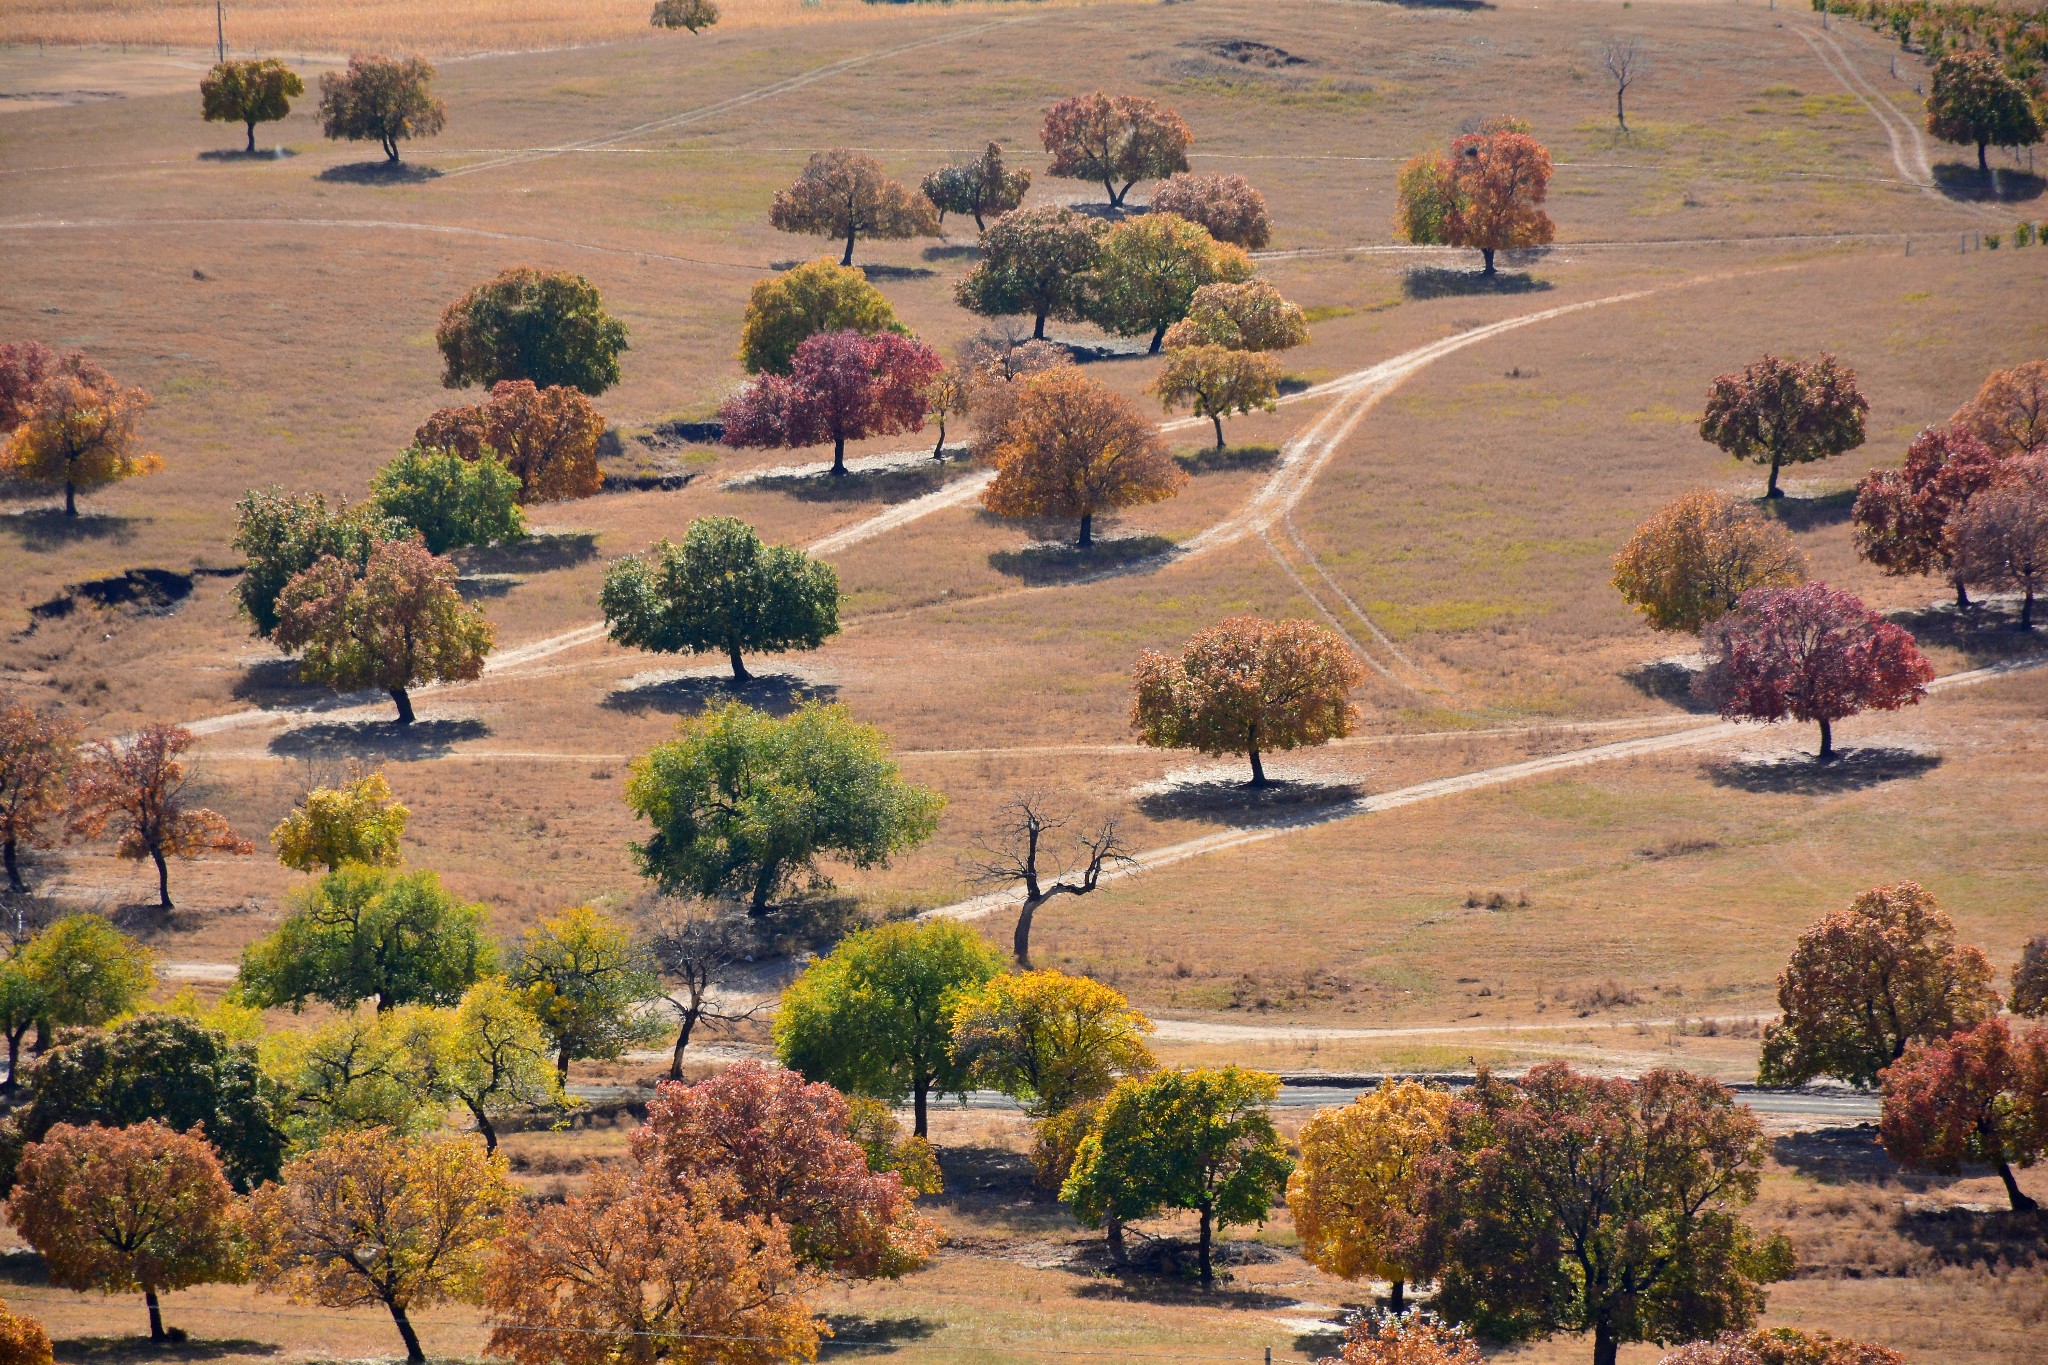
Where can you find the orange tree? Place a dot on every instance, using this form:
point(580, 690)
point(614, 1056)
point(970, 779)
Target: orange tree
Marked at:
point(1980, 1096)
point(546, 326)
point(23, 1340)
point(1867, 981)
point(1072, 448)
point(1781, 1346)
point(78, 432)
point(36, 753)
point(1149, 269)
point(1779, 412)
point(2009, 412)
point(1117, 140)
point(1689, 565)
point(546, 436)
point(138, 789)
point(1417, 1338)
point(24, 365)
point(1247, 686)
point(2030, 980)
point(845, 194)
point(125, 1209)
point(1901, 516)
point(250, 92)
point(383, 100)
point(1486, 193)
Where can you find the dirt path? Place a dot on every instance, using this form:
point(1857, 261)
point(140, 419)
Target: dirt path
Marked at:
point(1204, 1031)
point(1909, 149)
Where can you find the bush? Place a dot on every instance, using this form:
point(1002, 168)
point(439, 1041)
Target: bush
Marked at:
point(22, 1339)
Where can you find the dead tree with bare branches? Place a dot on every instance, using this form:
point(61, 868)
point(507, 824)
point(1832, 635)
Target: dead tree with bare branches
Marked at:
point(1026, 833)
point(692, 948)
point(1626, 64)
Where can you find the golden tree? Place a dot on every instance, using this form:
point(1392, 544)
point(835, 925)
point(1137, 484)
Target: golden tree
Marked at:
point(2009, 413)
point(1689, 565)
point(1417, 1338)
point(138, 788)
point(22, 1339)
point(845, 194)
point(1357, 1190)
point(79, 433)
point(1050, 1039)
point(1217, 381)
point(360, 822)
point(1074, 449)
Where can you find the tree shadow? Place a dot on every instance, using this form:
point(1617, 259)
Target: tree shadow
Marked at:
point(1210, 460)
point(1051, 563)
point(1439, 282)
point(1810, 514)
point(20, 1265)
point(42, 529)
point(1962, 180)
point(122, 1350)
point(377, 739)
point(378, 173)
point(1465, 5)
point(1802, 774)
point(858, 1334)
point(1837, 1156)
point(1984, 632)
point(481, 586)
point(238, 154)
point(954, 251)
point(1229, 801)
point(776, 693)
point(1993, 1240)
point(1098, 352)
point(993, 1182)
point(1163, 1270)
point(896, 272)
point(1669, 681)
point(898, 483)
point(274, 685)
point(539, 553)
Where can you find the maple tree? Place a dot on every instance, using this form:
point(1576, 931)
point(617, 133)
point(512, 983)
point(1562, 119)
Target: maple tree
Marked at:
point(1414, 1338)
point(1689, 565)
point(1248, 315)
point(1356, 1193)
point(548, 327)
point(126, 1209)
point(450, 502)
point(1116, 140)
point(585, 978)
point(1027, 829)
point(138, 789)
point(381, 99)
point(2030, 980)
point(1901, 517)
point(1148, 270)
point(78, 433)
point(1201, 1140)
point(357, 822)
point(804, 300)
point(37, 749)
point(1567, 1202)
point(284, 534)
point(841, 386)
point(721, 590)
point(2000, 539)
point(373, 1217)
point(250, 92)
point(1979, 1096)
point(1226, 205)
point(547, 437)
point(874, 1016)
point(778, 1147)
point(1812, 653)
point(1485, 194)
point(694, 15)
point(1034, 262)
point(1866, 981)
point(1779, 412)
point(846, 194)
point(1217, 381)
point(1973, 99)
point(393, 622)
point(981, 188)
point(1073, 449)
point(1049, 1039)
point(2009, 412)
point(1247, 686)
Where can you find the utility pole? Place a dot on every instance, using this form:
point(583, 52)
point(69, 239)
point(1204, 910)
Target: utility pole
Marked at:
point(220, 31)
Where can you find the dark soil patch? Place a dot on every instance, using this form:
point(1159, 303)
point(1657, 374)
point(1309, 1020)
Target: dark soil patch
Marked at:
point(1245, 52)
point(137, 592)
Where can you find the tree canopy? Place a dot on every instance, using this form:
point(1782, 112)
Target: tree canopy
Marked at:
point(37, 749)
point(1978, 1096)
point(549, 327)
point(1248, 315)
point(845, 194)
point(1073, 449)
point(1050, 1039)
point(1226, 205)
point(283, 534)
point(2000, 539)
point(1901, 516)
point(1486, 194)
point(1689, 565)
point(1034, 262)
point(78, 433)
point(386, 100)
point(841, 386)
point(694, 15)
point(2009, 411)
point(357, 822)
point(1974, 100)
point(1149, 269)
point(451, 502)
point(1357, 1192)
point(138, 790)
point(250, 92)
point(981, 188)
point(1217, 381)
point(1115, 140)
point(547, 437)
point(586, 979)
point(1779, 412)
point(804, 300)
point(80, 970)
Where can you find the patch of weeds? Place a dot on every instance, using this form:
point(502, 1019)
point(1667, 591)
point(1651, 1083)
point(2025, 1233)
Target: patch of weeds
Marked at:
point(1324, 312)
point(1497, 900)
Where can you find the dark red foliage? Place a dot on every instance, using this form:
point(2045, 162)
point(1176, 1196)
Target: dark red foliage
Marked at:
point(841, 386)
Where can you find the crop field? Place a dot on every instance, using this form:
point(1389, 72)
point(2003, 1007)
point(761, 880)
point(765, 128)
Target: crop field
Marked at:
point(1535, 845)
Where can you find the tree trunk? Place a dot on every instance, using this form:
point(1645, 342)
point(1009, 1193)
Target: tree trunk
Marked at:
point(14, 880)
point(156, 1313)
point(1020, 941)
point(1396, 1298)
point(562, 1063)
point(483, 1127)
point(1606, 1349)
point(1258, 768)
point(1038, 326)
point(1217, 418)
point(1087, 530)
point(1158, 335)
point(13, 1081)
point(163, 879)
point(1771, 489)
point(413, 1354)
point(2027, 609)
point(739, 667)
point(1113, 1230)
point(404, 701)
point(391, 150)
point(675, 1061)
point(1827, 740)
point(839, 457)
point(252, 137)
point(764, 882)
point(847, 258)
point(1486, 254)
point(2021, 1203)
point(917, 1105)
point(979, 226)
point(1982, 164)
point(70, 499)
point(1962, 595)
point(1208, 1268)
point(939, 450)
point(1109, 187)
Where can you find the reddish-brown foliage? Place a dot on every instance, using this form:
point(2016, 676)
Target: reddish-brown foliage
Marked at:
point(1781, 412)
point(1902, 515)
point(1781, 1346)
point(138, 788)
point(2010, 412)
point(1117, 140)
point(1072, 448)
point(2030, 980)
point(2000, 540)
point(845, 194)
point(548, 437)
point(36, 750)
point(841, 386)
point(1979, 1097)
point(78, 432)
point(1227, 205)
point(24, 365)
point(1417, 1338)
point(1500, 177)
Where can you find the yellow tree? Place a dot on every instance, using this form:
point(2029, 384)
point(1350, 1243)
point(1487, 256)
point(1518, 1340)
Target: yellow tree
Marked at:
point(79, 433)
point(1050, 1039)
point(1217, 381)
point(22, 1339)
point(1689, 565)
point(360, 822)
point(1357, 1190)
point(1074, 449)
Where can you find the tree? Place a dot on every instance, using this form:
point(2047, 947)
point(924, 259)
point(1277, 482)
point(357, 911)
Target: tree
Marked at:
point(125, 1209)
point(1687, 566)
point(1191, 1139)
point(1026, 827)
point(1217, 381)
point(1866, 982)
point(372, 1217)
point(1356, 1194)
point(1575, 1203)
point(845, 194)
point(360, 1070)
point(804, 300)
point(587, 981)
point(25, 366)
point(1625, 63)
point(451, 502)
point(631, 1273)
point(982, 187)
point(874, 1017)
point(1485, 194)
point(1247, 686)
point(1149, 269)
point(493, 1058)
point(393, 623)
point(2000, 540)
point(692, 950)
point(995, 372)
point(1979, 1097)
point(2030, 980)
point(284, 534)
point(1248, 316)
point(548, 327)
point(1034, 262)
point(23, 1340)
point(742, 802)
point(1780, 412)
point(79, 433)
point(37, 749)
point(370, 933)
point(547, 437)
point(1072, 448)
point(138, 788)
point(162, 1067)
point(1417, 1338)
point(841, 386)
point(360, 822)
point(78, 972)
point(1050, 1040)
point(1226, 205)
point(381, 99)
point(949, 394)
point(1810, 652)
point(2009, 413)
point(1116, 140)
point(721, 590)
point(251, 92)
point(777, 1147)
point(1902, 516)
point(694, 15)
point(1973, 99)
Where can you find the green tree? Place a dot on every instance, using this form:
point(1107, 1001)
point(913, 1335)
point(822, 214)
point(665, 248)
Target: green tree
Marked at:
point(1974, 99)
point(721, 590)
point(547, 326)
point(589, 984)
point(1049, 1039)
point(875, 1016)
point(1217, 381)
point(804, 300)
point(450, 501)
point(250, 92)
point(381, 99)
point(1034, 262)
point(1194, 1139)
point(360, 822)
point(744, 802)
point(362, 933)
point(283, 534)
point(363, 1069)
point(1150, 269)
point(981, 187)
point(86, 972)
point(493, 1057)
point(1250, 316)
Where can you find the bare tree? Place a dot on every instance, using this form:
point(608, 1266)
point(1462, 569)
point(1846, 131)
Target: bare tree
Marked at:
point(692, 947)
point(1027, 832)
point(1626, 64)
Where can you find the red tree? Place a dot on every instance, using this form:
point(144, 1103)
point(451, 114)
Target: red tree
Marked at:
point(1779, 412)
point(2001, 539)
point(1978, 1097)
point(139, 788)
point(1811, 653)
point(24, 366)
point(1902, 515)
point(841, 386)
